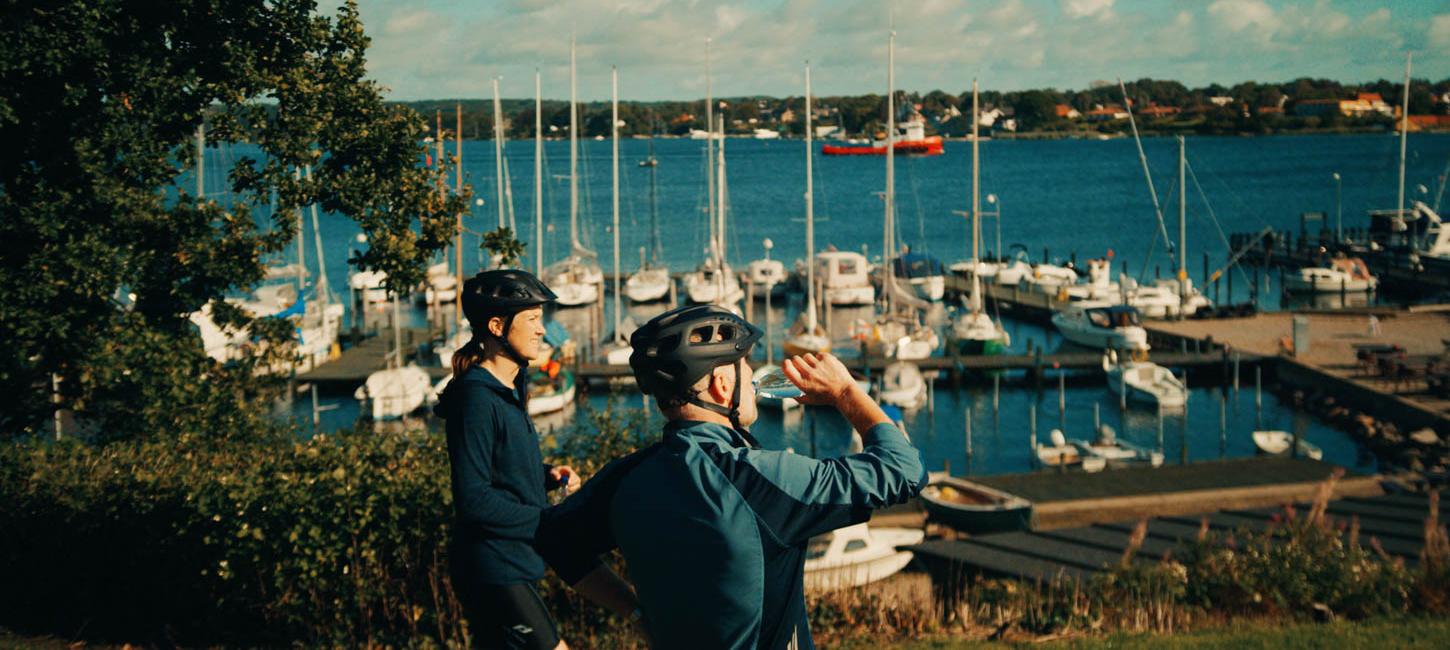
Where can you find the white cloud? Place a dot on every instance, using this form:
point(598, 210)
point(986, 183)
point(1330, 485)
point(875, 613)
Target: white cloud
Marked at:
point(1239, 15)
point(1085, 8)
point(1439, 32)
point(426, 48)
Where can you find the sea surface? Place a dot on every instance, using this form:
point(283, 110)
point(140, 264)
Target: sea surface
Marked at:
point(1058, 199)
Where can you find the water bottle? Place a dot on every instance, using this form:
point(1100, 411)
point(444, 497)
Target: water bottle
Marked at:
point(775, 384)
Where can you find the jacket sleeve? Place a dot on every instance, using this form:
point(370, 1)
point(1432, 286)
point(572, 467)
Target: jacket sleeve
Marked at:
point(798, 497)
point(573, 534)
point(482, 509)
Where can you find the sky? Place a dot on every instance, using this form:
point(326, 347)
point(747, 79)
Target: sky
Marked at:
point(450, 49)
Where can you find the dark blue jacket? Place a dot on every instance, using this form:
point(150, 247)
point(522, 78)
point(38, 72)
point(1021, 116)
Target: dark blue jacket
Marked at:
point(498, 479)
point(714, 531)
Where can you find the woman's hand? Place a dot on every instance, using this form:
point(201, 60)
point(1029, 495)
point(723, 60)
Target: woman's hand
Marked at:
point(565, 478)
point(823, 378)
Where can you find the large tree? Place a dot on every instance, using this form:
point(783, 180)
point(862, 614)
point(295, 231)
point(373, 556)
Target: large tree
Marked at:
point(104, 251)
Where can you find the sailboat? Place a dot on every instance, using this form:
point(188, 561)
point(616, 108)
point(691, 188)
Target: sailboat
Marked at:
point(897, 334)
point(317, 317)
point(713, 282)
point(399, 389)
point(807, 336)
point(973, 331)
point(1172, 297)
point(617, 351)
point(575, 279)
point(652, 281)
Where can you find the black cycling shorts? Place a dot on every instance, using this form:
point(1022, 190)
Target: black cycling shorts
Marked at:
point(507, 617)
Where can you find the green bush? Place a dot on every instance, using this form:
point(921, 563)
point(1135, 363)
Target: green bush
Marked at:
point(341, 541)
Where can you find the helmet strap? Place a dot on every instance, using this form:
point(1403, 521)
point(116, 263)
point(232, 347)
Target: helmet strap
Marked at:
point(732, 412)
point(522, 378)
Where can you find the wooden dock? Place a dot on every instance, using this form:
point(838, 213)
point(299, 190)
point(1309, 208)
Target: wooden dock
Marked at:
point(1396, 274)
point(1103, 509)
point(352, 367)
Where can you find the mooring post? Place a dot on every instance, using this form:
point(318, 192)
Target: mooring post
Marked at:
point(1222, 426)
point(969, 438)
point(1032, 431)
point(1258, 397)
point(996, 392)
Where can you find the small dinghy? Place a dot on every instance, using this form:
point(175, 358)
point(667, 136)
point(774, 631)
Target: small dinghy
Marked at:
point(1276, 443)
point(903, 385)
point(974, 508)
point(1118, 453)
point(857, 555)
point(1144, 381)
point(1061, 453)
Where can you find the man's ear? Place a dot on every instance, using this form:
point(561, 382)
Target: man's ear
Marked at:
point(720, 384)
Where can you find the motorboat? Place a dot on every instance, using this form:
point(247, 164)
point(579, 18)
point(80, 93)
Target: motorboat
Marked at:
point(1049, 279)
point(1277, 443)
point(1343, 275)
point(1144, 381)
point(551, 388)
point(844, 276)
point(369, 285)
point(1099, 284)
point(395, 392)
point(439, 285)
point(903, 386)
point(1098, 324)
point(1062, 453)
point(766, 276)
point(1162, 299)
point(1118, 452)
point(923, 273)
point(857, 555)
point(974, 508)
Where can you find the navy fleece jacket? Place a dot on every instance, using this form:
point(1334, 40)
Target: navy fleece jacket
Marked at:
point(499, 479)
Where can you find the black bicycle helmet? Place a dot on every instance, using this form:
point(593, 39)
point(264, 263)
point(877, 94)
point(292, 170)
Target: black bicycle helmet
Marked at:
point(502, 292)
point(679, 347)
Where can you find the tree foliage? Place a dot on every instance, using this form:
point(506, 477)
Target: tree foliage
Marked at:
point(100, 101)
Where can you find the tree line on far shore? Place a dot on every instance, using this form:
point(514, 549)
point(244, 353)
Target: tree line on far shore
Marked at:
point(1251, 106)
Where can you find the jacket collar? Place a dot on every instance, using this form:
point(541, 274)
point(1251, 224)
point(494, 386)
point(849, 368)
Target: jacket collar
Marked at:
point(708, 432)
point(482, 375)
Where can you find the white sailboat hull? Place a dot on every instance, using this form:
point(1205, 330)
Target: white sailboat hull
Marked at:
point(395, 392)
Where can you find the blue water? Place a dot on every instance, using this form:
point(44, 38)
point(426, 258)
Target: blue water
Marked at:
point(1068, 196)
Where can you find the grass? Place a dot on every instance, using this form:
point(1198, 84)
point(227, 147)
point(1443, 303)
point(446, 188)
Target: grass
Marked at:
point(1376, 633)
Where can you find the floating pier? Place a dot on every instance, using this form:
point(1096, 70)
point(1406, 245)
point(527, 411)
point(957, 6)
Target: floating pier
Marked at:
point(1103, 509)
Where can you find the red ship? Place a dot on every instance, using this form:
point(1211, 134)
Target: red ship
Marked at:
point(913, 142)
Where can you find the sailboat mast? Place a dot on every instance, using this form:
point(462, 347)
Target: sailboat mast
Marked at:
point(498, 153)
point(301, 244)
point(1404, 131)
point(322, 288)
point(201, 160)
point(458, 188)
point(1182, 256)
point(720, 213)
point(976, 301)
point(654, 226)
point(538, 177)
point(976, 180)
point(710, 147)
point(810, 216)
point(573, 154)
point(890, 235)
point(614, 136)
